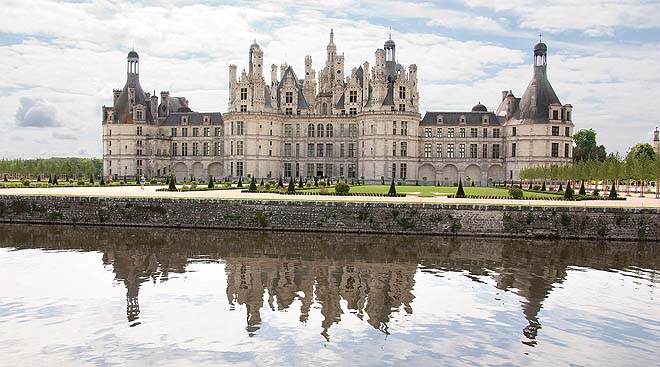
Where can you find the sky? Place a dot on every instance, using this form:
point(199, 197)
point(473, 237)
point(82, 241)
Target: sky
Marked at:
point(60, 61)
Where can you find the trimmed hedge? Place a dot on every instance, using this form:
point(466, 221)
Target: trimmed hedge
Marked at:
point(200, 189)
point(558, 198)
point(283, 192)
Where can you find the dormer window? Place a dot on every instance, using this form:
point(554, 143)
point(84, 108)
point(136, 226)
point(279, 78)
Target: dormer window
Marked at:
point(462, 120)
point(244, 94)
point(439, 119)
point(207, 120)
point(184, 120)
point(485, 120)
point(288, 97)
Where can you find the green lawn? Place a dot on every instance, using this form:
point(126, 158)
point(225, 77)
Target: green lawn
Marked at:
point(431, 191)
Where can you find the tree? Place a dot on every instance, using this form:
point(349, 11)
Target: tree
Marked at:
point(641, 149)
point(280, 184)
point(240, 182)
point(460, 193)
point(392, 191)
point(582, 190)
point(586, 147)
point(262, 182)
point(300, 183)
point(613, 194)
point(316, 181)
point(211, 184)
point(172, 186)
point(342, 188)
point(568, 194)
point(292, 187)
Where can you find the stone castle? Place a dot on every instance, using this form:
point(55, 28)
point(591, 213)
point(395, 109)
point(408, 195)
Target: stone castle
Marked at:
point(362, 125)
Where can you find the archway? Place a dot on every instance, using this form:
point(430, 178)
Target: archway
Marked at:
point(426, 174)
point(198, 171)
point(473, 173)
point(181, 171)
point(215, 170)
point(449, 175)
point(496, 174)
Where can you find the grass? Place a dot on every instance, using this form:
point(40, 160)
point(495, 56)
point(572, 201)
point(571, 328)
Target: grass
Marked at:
point(432, 191)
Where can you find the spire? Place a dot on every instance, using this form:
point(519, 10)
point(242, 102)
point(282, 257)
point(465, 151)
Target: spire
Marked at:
point(332, 36)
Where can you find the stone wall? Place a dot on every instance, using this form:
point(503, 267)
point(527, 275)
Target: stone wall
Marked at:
point(352, 217)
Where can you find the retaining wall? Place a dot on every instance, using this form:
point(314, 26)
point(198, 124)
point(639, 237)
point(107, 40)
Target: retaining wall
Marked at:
point(352, 217)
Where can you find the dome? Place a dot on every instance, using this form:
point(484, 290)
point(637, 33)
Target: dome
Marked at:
point(254, 45)
point(133, 54)
point(389, 43)
point(540, 47)
point(479, 108)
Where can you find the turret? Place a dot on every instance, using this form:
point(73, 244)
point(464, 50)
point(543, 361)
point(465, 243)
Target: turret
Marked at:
point(133, 66)
point(331, 50)
point(115, 95)
point(154, 106)
point(656, 135)
point(273, 75)
point(256, 61)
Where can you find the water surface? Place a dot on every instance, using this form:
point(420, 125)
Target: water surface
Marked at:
point(87, 296)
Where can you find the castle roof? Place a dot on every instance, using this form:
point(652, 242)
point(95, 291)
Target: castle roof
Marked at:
point(194, 118)
point(538, 96)
point(454, 119)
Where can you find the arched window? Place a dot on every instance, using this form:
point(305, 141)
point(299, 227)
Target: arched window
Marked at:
point(310, 130)
point(319, 128)
point(329, 132)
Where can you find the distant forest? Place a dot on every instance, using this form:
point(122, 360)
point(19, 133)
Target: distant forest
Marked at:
point(60, 167)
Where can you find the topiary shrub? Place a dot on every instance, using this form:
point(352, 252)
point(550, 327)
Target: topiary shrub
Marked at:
point(280, 184)
point(543, 186)
point(262, 182)
point(153, 181)
point(210, 184)
point(172, 185)
point(102, 183)
point(50, 180)
point(613, 193)
point(568, 194)
point(582, 190)
point(316, 181)
point(460, 193)
point(392, 191)
point(516, 193)
point(536, 188)
point(26, 182)
point(5, 179)
point(240, 182)
point(561, 188)
point(253, 185)
point(81, 182)
point(300, 183)
point(342, 188)
point(292, 187)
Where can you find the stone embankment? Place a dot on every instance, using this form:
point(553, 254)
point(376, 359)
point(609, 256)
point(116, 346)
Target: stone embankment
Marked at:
point(351, 217)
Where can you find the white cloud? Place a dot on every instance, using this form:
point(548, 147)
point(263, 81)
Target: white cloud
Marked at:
point(35, 112)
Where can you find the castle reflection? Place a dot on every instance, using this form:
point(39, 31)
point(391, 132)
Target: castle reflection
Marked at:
point(373, 276)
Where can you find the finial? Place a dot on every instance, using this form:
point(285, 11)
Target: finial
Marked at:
point(390, 32)
point(540, 35)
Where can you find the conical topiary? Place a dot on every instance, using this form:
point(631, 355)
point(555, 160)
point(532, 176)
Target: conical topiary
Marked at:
point(91, 179)
point(530, 187)
point(280, 184)
point(568, 194)
point(392, 191)
point(172, 186)
point(253, 185)
point(316, 181)
point(300, 183)
point(613, 193)
point(292, 187)
point(561, 188)
point(460, 193)
point(262, 182)
point(240, 181)
point(582, 190)
point(5, 179)
point(211, 184)
point(50, 180)
point(543, 186)
point(102, 183)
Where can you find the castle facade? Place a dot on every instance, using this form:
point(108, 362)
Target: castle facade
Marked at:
point(364, 124)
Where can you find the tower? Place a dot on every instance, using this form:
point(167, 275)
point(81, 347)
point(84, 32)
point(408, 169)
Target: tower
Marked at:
point(256, 61)
point(390, 56)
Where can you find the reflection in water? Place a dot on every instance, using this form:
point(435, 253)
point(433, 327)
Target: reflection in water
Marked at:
point(372, 276)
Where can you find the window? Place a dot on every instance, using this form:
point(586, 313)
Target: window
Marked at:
point(319, 130)
point(239, 148)
point(287, 169)
point(139, 130)
point(484, 151)
point(239, 128)
point(184, 120)
point(484, 133)
point(329, 150)
point(513, 149)
point(514, 131)
point(404, 171)
point(473, 150)
point(461, 132)
point(297, 150)
point(288, 111)
point(555, 131)
point(474, 132)
point(352, 130)
point(450, 150)
point(496, 133)
point(288, 97)
point(404, 149)
point(231, 148)
point(297, 130)
point(310, 170)
point(352, 171)
point(174, 149)
point(352, 96)
point(351, 151)
point(393, 149)
point(329, 131)
point(555, 115)
point(496, 151)
point(243, 108)
point(217, 132)
point(173, 132)
point(195, 149)
point(461, 150)
point(427, 150)
point(568, 115)
point(195, 131)
point(402, 107)
point(404, 128)
point(352, 111)
point(184, 131)
point(341, 130)
point(287, 130)
point(310, 130)
point(393, 170)
point(239, 169)
point(310, 150)
point(567, 131)
point(567, 151)
point(555, 150)
point(243, 94)
point(207, 132)
point(184, 149)
point(428, 132)
point(287, 149)
point(450, 132)
point(232, 128)
point(217, 148)
point(402, 92)
point(341, 150)
point(394, 128)
point(206, 151)
point(319, 150)
point(438, 132)
point(138, 115)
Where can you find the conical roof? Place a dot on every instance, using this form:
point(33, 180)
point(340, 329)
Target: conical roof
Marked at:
point(538, 97)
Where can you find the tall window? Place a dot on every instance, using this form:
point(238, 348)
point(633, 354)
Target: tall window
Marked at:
point(341, 150)
point(484, 132)
point(438, 150)
point(319, 129)
point(329, 131)
point(567, 151)
point(473, 150)
point(310, 130)
point(351, 151)
point(427, 150)
point(461, 132)
point(438, 132)
point(175, 150)
point(484, 151)
point(239, 169)
point(287, 149)
point(206, 149)
point(555, 115)
point(450, 132)
point(404, 128)
point(239, 128)
point(342, 130)
point(393, 149)
point(514, 131)
point(496, 151)
point(402, 92)
point(352, 130)
point(329, 150)
point(287, 169)
point(428, 132)
point(461, 150)
point(297, 130)
point(243, 94)
point(207, 132)
point(394, 128)
point(239, 148)
point(496, 133)
point(555, 131)
point(287, 130)
point(195, 131)
point(567, 131)
point(310, 150)
point(474, 132)
point(184, 149)
point(513, 149)
point(319, 150)
point(404, 170)
point(288, 97)
point(404, 149)
point(352, 96)
point(393, 170)
point(450, 150)
point(555, 150)
point(173, 132)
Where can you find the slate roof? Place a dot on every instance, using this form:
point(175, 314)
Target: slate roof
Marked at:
point(454, 119)
point(121, 107)
point(194, 118)
point(538, 96)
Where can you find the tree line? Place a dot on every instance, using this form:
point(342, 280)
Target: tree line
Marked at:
point(73, 168)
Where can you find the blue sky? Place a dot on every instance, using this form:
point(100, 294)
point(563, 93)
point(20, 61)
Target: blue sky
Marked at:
point(61, 60)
